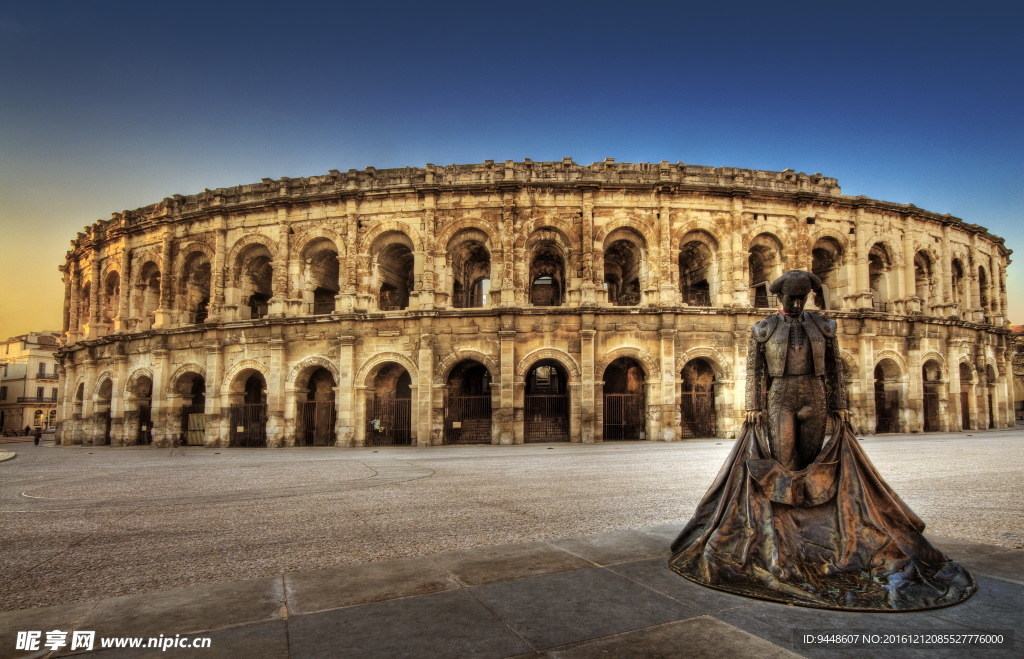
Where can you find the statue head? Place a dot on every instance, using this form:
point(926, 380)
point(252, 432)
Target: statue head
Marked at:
point(792, 289)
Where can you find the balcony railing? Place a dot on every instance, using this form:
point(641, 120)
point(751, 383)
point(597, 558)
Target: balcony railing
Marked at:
point(37, 399)
point(43, 375)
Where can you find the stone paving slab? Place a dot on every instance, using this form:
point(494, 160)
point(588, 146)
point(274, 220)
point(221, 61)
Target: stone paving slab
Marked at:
point(602, 595)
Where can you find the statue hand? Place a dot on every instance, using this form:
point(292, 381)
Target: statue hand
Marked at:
point(842, 415)
point(753, 416)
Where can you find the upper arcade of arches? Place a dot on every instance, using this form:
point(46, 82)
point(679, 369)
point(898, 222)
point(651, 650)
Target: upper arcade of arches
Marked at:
point(521, 235)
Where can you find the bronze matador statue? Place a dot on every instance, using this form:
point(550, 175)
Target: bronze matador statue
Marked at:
point(795, 373)
point(791, 520)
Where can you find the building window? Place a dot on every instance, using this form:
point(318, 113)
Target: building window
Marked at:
point(39, 392)
point(53, 393)
point(3, 393)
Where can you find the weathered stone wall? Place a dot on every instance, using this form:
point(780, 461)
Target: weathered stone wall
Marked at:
point(533, 270)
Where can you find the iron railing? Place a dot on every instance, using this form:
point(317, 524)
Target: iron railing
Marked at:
point(389, 421)
point(624, 416)
point(546, 418)
point(467, 420)
point(697, 414)
point(316, 423)
point(249, 424)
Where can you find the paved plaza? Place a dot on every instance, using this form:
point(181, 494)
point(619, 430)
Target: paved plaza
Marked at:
point(490, 551)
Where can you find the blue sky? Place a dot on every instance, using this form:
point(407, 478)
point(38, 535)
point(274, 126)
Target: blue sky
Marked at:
point(106, 106)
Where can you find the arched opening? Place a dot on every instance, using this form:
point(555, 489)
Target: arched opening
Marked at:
point(931, 376)
point(623, 264)
point(625, 411)
point(194, 289)
point(887, 396)
point(192, 387)
point(983, 289)
point(84, 300)
point(547, 275)
point(826, 259)
point(697, 416)
point(471, 269)
point(879, 265)
point(111, 296)
point(697, 269)
point(764, 262)
point(248, 411)
point(924, 279)
point(393, 270)
point(321, 276)
point(102, 414)
point(966, 380)
point(79, 401)
point(148, 298)
point(140, 398)
point(37, 419)
point(389, 407)
point(316, 413)
point(51, 421)
point(546, 403)
point(255, 281)
point(956, 276)
point(467, 407)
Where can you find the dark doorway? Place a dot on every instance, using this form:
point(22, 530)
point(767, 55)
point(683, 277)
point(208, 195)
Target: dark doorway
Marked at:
point(249, 418)
point(887, 397)
point(316, 414)
point(467, 408)
point(389, 408)
point(624, 409)
point(546, 403)
point(697, 403)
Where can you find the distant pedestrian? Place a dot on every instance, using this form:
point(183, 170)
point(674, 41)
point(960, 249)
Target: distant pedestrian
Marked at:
point(28, 431)
point(38, 435)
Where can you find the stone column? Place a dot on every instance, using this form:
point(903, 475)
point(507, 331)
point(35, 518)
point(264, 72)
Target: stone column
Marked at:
point(345, 392)
point(505, 414)
point(126, 288)
point(216, 434)
point(88, 404)
point(587, 287)
point(275, 389)
point(94, 297)
point(159, 411)
point(163, 315)
point(75, 282)
point(423, 421)
point(737, 257)
point(219, 257)
point(590, 401)
point(117, 429)
point(279, 300)
point(669, 409)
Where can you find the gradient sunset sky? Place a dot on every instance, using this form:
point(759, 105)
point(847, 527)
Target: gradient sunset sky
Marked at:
point(107, 106)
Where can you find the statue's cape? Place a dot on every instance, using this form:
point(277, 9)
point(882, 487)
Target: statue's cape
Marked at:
point(833, 535)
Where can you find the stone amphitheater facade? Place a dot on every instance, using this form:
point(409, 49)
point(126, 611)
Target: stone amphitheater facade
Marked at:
point(510, 302)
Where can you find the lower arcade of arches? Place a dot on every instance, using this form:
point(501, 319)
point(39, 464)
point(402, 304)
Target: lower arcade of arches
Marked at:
point(414, 390)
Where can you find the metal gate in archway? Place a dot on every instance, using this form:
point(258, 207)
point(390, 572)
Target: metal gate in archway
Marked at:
point(145, 428)
point(467, 419)
point(887, 411)
point(388, 421)
point(316, 423)
point(546, 418)
point(193, 424)
point(931, 411)
point(624, 416)
point(249, 425)
point(965, 410)
point(106, 421)
point(697, 415)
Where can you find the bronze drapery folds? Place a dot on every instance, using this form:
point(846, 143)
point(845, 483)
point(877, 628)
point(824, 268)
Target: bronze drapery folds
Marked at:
point(790, 520)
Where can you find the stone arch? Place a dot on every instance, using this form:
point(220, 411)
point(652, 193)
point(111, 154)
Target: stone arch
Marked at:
point(319, 276)
point(187, 250)
point(560, 356)
point(696, 225)
point(825, 232)
point(624, 256)
point(938, 359)
point(896, 357)
point(652, 370)
point(132, 383)
point(638, 227)
point(450, 230)
point(849, 366)
point(533, 226)
point(98, 382)
point(310, 364)
point(765, 261)
point(175, 382)
point(246, 242)
point(110, 294)
point(829, 252)
point(548, 263)
point(698, 267)
point(372, 364)
point(229, 384)
point(312, 234)
point(444, 368)
point(719, 363)
point(194, 274)
point(379, 229)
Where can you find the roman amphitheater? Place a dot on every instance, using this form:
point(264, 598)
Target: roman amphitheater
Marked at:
point(512, 302)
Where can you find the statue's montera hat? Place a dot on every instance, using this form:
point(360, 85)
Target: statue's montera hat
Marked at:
point(795, 282)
